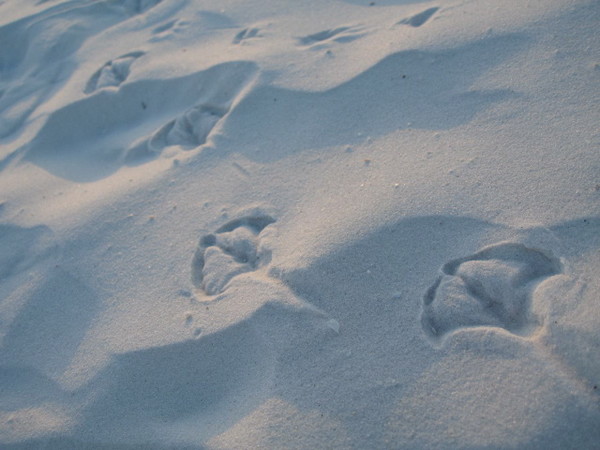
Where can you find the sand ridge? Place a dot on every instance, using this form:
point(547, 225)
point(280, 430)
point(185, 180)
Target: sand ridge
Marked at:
point(344, 224)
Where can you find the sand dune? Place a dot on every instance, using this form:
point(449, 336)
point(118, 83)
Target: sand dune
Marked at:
point(318, 224)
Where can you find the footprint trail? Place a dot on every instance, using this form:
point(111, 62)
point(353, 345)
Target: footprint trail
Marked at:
point(36, 52)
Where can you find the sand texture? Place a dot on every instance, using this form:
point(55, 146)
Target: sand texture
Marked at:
point(317, 224)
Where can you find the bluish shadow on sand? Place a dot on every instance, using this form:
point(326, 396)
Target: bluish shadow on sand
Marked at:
point(89, 139)
point(417, 89)
point(374, 288)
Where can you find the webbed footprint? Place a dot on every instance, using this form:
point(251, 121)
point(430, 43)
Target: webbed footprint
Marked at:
point(492, 288)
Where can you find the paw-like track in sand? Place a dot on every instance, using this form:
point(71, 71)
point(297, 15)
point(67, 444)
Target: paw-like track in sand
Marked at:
point(231, 250)
point(490, 288)
point(113, 73)
point(190, 129)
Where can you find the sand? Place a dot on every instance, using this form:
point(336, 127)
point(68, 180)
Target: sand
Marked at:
point(246, 224)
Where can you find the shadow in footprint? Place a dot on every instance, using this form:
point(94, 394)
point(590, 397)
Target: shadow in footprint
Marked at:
point(492, 287)
point(189, 130)
point(113, 73)
point(232, 250)
point(246, 33)
point(341, 34)
point(419, 19)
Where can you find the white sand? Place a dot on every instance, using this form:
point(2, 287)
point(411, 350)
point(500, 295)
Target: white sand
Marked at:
point(315, 224)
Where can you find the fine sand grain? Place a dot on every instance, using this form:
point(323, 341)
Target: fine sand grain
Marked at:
point(327, 224)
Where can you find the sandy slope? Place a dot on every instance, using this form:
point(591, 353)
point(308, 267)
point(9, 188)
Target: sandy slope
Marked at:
point(317, 224)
